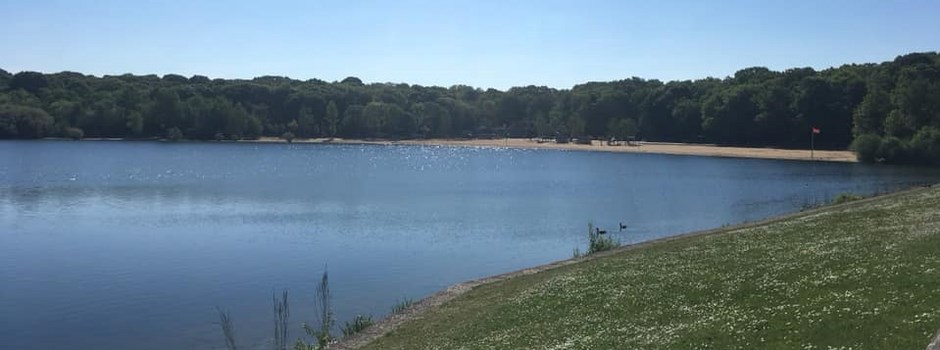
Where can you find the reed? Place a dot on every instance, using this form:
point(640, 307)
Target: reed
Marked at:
point(359, 323)
point(402, 305)
point(281, 317)
point(228, 329)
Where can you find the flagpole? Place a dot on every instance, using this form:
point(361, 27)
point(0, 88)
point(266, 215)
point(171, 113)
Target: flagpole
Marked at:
point(812, 143)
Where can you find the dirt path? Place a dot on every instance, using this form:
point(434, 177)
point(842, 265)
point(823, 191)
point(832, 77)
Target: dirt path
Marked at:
point(935, 344)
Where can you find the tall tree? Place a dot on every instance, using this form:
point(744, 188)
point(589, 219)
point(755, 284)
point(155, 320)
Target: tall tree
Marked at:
point(332, 118)
point(24, 122)
point(892, 101)
point(167, 110)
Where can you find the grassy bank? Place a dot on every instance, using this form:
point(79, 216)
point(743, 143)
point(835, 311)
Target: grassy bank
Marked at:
point(863, 275)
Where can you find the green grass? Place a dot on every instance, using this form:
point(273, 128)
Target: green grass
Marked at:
point(846, 197)
point(861, 276)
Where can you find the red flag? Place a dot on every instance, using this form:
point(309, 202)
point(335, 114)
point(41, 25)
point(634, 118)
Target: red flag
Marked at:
point(815, 130)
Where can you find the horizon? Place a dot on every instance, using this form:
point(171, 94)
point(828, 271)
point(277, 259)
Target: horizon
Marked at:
point(486, 44)
point(472, 86)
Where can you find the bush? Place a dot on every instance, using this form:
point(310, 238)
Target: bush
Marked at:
point(74, 133)
point(24, 122)
point(288, 136)
point(599, 242)
point(926, 145)
point(892, 150)
point(866, 147)
point(174, 134)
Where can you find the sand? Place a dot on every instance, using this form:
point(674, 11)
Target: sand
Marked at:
point(639, 147)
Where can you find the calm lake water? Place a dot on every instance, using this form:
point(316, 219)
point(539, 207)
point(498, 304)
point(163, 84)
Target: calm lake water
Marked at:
point(132, 245)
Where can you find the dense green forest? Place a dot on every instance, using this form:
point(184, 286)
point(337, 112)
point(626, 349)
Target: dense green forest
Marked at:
point(889, 112)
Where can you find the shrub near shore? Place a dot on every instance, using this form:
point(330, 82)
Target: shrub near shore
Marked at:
point(922, 148)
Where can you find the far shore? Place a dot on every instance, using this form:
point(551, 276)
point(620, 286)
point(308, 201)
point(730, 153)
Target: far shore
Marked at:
point(637, 147)
point(691, 149)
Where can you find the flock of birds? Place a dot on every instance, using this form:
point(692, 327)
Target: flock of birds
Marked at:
point(600, 232)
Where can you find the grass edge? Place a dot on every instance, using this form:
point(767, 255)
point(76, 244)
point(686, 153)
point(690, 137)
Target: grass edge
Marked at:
point(416, 311)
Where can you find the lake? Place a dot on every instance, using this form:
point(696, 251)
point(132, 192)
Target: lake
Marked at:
point(107, 245)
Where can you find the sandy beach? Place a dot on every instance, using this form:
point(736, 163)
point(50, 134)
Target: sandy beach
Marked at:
point(640, 147)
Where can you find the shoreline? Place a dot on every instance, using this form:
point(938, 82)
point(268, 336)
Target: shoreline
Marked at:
point(641, 147)
point(707, 150)
point(392, 322)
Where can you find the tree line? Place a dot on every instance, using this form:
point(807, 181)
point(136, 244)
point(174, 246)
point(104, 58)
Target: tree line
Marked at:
point(888, 112)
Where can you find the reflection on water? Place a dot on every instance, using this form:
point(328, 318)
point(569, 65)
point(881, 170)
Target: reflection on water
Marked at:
point(134, 244)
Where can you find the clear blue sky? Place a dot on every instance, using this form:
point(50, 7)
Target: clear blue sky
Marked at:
point(480, 42)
